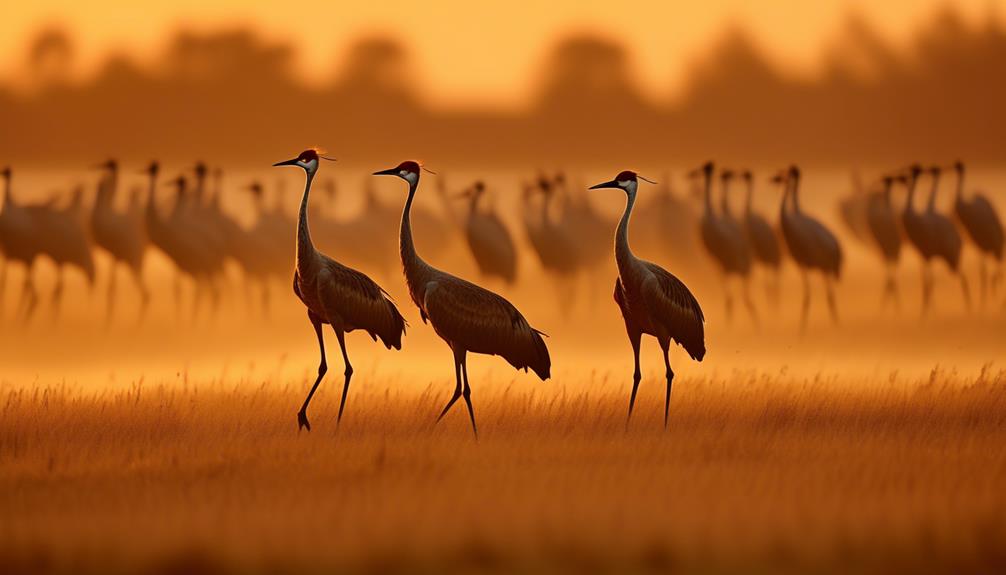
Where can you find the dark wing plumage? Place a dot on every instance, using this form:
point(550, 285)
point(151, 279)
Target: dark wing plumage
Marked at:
point(483, 322)
point(982, 224)
point(360, 302)
point(631, 327)
point(884, 227)
point(763, 240)
point(677, 310)
point(492, 246)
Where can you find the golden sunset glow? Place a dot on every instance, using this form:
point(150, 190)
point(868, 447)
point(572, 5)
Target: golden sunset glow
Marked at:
point(478, 53)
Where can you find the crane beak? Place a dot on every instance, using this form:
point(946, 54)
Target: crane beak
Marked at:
point(388, 172)
point(292, 162)
point(611, 184)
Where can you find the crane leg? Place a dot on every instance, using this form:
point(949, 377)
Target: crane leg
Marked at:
point(144, 292)
point(457, 388)
point(110, 298)
point(634, 339)
point(467, 393)
point(748, 303)
point(348, 373)
point(965, 290)
point(29, 297)
point(927, 288)
point(983, 282)
point(805, 312)
point(829, 288)
point(302, 421)
point(729, 299)
point(665, 347)
point(3, 283)
point(57, 292)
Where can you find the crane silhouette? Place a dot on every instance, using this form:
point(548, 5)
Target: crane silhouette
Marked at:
point(882, 227)
point(553, 242)
point(723, 238)
point(488, 238)
point(184, 243)
point(947, 240)
point(652, 301)
point(337, 295)
point(761, 238)
point(62, 237)
point(983, 226)
point(121, 234)
point(811, 244)
point(467, 317)
point(19, 243)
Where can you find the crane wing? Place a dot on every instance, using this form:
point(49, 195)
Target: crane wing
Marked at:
point(360, 302)
point(484, 322)
point(677, 310)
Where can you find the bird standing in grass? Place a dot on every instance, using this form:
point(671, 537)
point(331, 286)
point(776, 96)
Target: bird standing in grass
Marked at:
point(652, 301)
point(337, 295)
point(469, 318)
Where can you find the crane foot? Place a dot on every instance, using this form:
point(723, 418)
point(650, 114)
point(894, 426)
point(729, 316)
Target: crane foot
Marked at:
point(302, 421)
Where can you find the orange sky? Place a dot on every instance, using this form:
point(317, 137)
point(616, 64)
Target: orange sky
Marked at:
point(484, 52)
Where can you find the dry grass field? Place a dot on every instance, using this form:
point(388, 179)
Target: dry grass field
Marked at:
point(758, 473)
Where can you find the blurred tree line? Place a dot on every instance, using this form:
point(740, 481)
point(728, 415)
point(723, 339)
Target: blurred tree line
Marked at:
point(230, 95)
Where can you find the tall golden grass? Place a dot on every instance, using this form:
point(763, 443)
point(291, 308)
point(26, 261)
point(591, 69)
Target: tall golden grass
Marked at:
point(757, 472)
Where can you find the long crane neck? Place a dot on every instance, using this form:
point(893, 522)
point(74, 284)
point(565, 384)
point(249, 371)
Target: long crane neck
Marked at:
point(411, 262)
point(6, 200)
point(151, 203)
point(794, 192)
point(749, 193)
point(724, 192)
point(623, 253)
point(910, 201)
point(959, 193)
point(305, 246)
point(708, 193)
point(931, 201)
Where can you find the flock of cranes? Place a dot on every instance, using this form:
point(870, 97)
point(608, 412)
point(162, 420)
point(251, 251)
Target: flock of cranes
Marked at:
point(565, 233)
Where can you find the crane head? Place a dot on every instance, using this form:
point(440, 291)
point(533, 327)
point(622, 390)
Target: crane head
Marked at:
point(407, 170)
point(958, 166)
point(935, 170)
point(152, 169)
point(779, 177)
point(705, 169)
point(179, 183)
point(727, 175)
point(5, 172)
point(109, 164)
point(255, 188)
point(200, 170)
point(627, 180)
point(746, 176)
point(308, 160)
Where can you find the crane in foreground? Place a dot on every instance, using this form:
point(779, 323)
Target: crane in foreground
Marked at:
point(651, 299)
point(337, 295)
point(467, 317)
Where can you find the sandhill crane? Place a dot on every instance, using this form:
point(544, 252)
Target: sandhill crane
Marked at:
point(761, 238)
point(651, 299)
point(946, 239)
point(488, 238)
point(19, 243)
point(61, 235)
point(812, 245)
point(885, 233)
point(979, 219)
point(121, 235)
point(588, 227)
point(337, 295)
point(467, 317)
point(186, 246)
point(723, 238)
point(553, 243)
